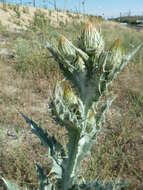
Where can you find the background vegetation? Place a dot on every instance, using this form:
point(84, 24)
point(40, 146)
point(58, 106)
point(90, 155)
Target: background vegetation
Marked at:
point(132, 20)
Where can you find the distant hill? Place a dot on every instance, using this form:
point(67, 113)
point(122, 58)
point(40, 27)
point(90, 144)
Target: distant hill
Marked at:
point(19, 17)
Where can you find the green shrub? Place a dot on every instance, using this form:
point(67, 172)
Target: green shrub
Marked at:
point(10, 6)
point(32, 58)
point(40, 21)
point(25, 10)
point(62, 24)
point(16, 9)
point(50, 12)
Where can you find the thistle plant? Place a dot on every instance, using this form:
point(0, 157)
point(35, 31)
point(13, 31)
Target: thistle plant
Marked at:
point(80, 106)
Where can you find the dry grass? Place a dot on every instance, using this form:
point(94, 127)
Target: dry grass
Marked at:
point(119, 151)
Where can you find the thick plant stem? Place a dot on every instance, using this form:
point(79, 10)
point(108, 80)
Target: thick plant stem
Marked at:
point(68, 172)
point(74, 157)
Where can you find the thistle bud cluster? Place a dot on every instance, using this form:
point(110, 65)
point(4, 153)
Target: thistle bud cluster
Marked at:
point(90, 69)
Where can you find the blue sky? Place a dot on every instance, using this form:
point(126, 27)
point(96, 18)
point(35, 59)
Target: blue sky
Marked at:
point(107, 7)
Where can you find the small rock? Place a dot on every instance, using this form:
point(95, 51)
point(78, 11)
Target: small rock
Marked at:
point(12, 133)
point(6, 52)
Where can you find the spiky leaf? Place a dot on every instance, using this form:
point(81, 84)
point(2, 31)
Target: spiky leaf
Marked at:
point(9, 185)
point(100, 185)
point(47, 140)
point(44, 181)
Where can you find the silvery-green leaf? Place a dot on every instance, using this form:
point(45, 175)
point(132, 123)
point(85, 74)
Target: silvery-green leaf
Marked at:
point(45, 184)
point(9, 185)
point(69, 50)
point(46, 140)
point(44, 181)
point(56, 169)
point(100, 185)
point(84, 146)
point(102, 112)
point(129, 56)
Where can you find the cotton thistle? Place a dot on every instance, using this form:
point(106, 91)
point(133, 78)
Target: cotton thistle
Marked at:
point(81, 108)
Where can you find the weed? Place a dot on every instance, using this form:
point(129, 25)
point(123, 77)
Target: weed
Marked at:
point(40, 21)
point(31, 58)
point(62, 24)
point(16, 9)
point(25, 10)
point(50, 12)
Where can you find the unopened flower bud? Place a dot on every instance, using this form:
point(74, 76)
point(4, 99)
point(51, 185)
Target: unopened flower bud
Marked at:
point(91, 40)
point(79, 64)
point(68, 95)
point(116, 53)
point(91, 117)
point(66, 48)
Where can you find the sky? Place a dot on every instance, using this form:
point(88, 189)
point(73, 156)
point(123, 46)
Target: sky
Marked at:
point(110, 8)
point(107, 7)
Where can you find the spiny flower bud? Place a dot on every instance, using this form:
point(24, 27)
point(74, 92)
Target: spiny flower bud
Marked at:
point(66, 48)
point(91, 117)
point(91, 40)
point(116, 53)
point(68, 95)
point(79, 64)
